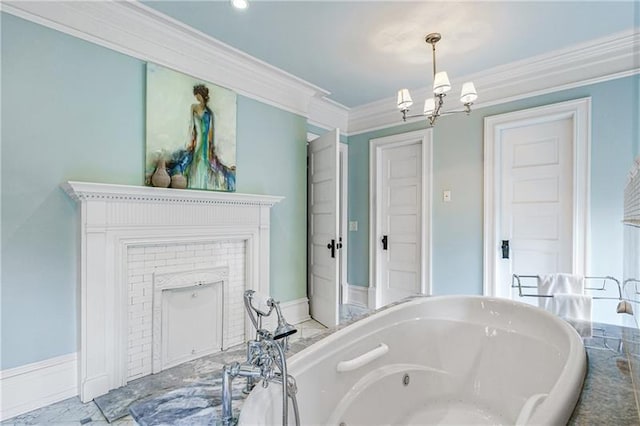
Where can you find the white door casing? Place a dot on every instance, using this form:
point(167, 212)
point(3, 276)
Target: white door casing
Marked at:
point(400, 207)
point(344, 221)
point(528, 199)
point(323, 224)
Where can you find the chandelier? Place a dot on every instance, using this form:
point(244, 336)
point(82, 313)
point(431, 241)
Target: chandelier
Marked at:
point(441, 85)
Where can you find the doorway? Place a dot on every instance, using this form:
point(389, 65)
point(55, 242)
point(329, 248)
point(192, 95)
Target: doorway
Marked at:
point(400, 216)
point(327, 177)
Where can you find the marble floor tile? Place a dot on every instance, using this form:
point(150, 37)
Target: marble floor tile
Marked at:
point(68, 412)
point(306, 329)
point(350, 312)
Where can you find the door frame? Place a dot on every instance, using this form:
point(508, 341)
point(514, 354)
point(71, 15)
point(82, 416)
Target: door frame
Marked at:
point(579, 111)
point(344, 221)
point(425, 138)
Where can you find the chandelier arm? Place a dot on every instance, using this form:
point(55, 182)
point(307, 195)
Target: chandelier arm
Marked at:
point(435, 114)
point(406, 117)
point(467, 109)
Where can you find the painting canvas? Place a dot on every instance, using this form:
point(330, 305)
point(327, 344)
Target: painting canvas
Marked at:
point(191, 130)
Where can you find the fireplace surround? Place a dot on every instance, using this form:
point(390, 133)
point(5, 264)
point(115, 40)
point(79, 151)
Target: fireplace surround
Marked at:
point(117, 218)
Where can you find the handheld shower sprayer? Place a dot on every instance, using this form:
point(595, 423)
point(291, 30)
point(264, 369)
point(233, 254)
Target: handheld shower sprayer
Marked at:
point(283, 329)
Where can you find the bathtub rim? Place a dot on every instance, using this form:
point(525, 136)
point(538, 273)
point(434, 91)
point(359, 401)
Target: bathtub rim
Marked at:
point(573, 335)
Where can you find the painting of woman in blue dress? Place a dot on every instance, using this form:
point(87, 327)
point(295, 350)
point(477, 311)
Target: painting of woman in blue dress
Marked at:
point(205, 169)
point(205, 155)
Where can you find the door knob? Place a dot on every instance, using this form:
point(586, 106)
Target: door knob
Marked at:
point(385, 242)
point(332, 246)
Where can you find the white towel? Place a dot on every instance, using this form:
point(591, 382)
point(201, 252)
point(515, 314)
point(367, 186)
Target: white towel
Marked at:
point(576, 307)
point(558, 283)
point(572, 306)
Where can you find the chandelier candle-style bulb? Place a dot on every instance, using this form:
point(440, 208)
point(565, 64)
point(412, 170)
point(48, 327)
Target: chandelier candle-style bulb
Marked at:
point(468, 93)
point(441, 83)
point(429, 106)
point(404, 99)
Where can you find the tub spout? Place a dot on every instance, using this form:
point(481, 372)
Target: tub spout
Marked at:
point(227, 411)
point(229, 372)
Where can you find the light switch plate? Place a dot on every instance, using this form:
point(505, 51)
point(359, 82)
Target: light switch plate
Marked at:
point(446, 196)
point(353, 225)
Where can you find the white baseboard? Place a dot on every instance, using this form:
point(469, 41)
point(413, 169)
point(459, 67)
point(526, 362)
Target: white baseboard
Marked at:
point(358, 295)
point(371, 293)
point(36, 385)
point(296, 311)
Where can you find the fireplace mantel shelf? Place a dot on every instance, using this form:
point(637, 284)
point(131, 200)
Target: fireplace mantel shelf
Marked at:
point(94, 191)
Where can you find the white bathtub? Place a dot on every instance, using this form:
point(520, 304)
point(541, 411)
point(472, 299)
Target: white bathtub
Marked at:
point(467, 360)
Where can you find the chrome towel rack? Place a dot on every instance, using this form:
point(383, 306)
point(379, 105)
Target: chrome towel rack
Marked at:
point(633, 281)
point(516, 282)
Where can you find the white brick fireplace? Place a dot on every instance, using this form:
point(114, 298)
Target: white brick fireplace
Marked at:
point(162, 272)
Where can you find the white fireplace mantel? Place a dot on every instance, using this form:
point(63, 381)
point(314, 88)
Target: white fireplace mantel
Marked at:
point(114, 217)
point(100, 191)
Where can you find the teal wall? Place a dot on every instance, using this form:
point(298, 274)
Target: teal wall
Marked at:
point(272, 159)
point(458, 166)
point(72, 110)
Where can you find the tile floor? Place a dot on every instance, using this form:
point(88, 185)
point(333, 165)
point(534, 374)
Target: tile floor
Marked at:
point(73, 412)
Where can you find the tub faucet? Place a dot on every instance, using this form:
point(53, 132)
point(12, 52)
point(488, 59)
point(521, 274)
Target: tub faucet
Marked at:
point(266, 358)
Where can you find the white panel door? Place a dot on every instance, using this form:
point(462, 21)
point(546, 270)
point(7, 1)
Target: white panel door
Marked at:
point(537, 200)
point(400, 231)
point(323, 228)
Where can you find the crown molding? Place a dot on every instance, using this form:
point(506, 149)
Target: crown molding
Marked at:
point(136, 30)
point(131, 28)
point(604, 59)
point(328, 114)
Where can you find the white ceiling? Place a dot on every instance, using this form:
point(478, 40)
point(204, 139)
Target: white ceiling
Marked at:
point(362, 51)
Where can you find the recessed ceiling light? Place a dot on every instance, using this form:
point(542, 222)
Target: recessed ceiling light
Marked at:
point(240, 4)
